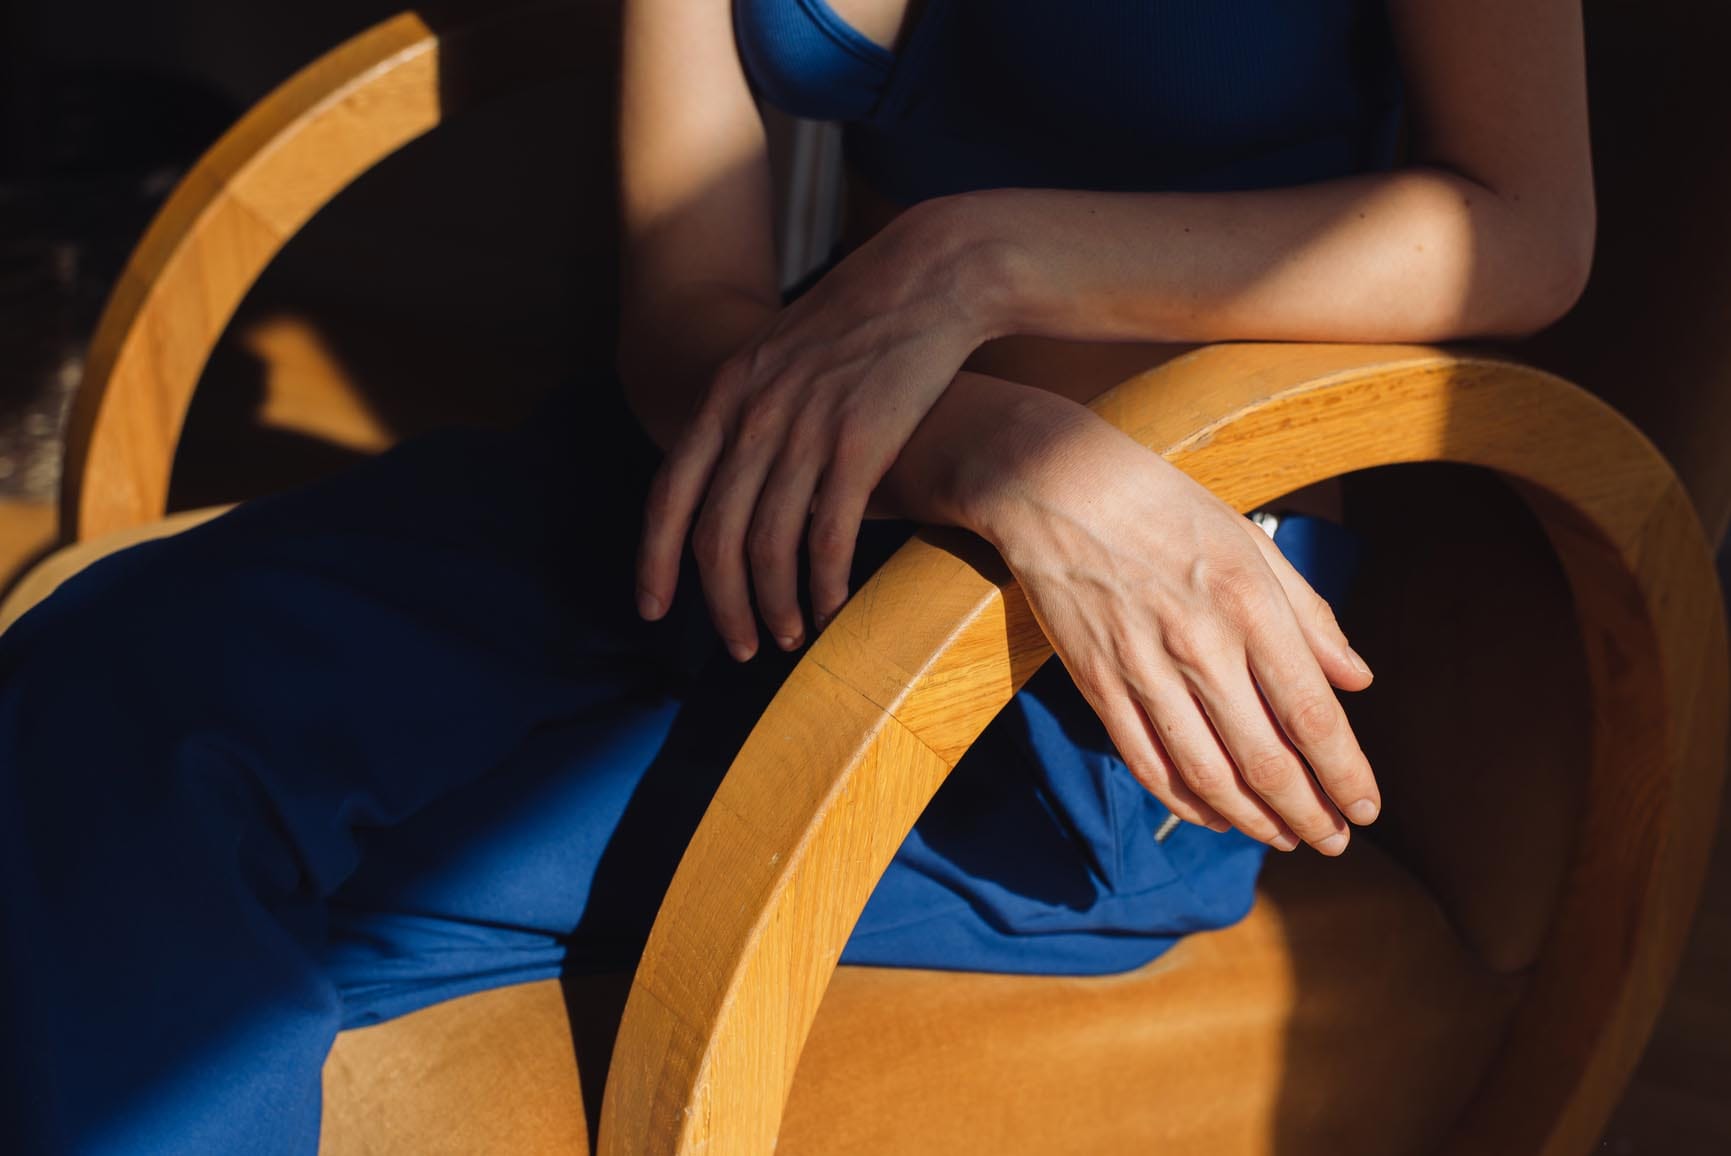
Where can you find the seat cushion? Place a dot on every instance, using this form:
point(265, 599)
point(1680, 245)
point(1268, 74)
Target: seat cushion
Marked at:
point(1343, 1016)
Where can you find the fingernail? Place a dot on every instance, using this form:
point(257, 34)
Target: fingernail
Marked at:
point(648, 605)
point(1363, 812)
point(1284, 842)
point(1220, 826)
point(1358, 663)
point(740, 651)
point(788, 641)
point(1333, 845)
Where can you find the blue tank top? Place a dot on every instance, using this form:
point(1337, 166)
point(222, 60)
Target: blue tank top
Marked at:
point(1154, 95)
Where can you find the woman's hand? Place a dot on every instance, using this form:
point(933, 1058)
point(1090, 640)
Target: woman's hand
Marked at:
point(800, 425)
point(1203, 651)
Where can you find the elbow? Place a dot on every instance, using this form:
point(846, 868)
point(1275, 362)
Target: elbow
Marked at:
point(1553, 275)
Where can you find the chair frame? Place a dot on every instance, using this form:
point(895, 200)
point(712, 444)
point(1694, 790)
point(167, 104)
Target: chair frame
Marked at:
point(891, 695)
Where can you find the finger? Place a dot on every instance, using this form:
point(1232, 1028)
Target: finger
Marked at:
point(1342, 664)
point(668, 510)
point(777, 527)
point(1308, 713)
point(718, 539)
point(1130, 731)
point(1203, 762)
point(836, 515)
point(1268, 763)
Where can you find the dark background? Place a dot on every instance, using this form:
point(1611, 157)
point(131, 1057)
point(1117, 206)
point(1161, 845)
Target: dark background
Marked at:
point(458, 279)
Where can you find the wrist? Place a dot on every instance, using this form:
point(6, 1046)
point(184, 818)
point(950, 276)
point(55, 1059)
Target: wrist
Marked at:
point(1037, 442)
point(966, 239)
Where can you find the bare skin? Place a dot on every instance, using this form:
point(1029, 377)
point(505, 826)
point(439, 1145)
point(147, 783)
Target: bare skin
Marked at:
point(938, 374)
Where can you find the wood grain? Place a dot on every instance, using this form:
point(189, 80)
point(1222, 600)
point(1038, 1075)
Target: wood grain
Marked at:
point(246, 198)
point(887, 699)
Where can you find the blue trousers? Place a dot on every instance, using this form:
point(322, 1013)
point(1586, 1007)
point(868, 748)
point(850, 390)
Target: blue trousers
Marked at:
point(353, 750)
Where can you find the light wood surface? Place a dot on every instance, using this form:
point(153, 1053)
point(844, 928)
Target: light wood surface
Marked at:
point(26, 534)
point(266, 177)
point(1342, 1016)
point(891, 695)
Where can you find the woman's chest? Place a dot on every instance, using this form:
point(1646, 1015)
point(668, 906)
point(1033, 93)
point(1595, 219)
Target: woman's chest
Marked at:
point(1184, 72)
point(1183, 66)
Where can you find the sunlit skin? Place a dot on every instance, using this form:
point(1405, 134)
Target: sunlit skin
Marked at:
point(938, 373)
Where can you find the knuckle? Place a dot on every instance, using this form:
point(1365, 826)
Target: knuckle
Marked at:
point(760, 356)
point(768, 545)
point(1189, 644)
point(854, 452)
point(703, 435)
point(1151, 775)
point(1208, 780)
point(1238, 588)
point(1091, 671)
point(708, 544)
point(1267, 771)
point(807, 431)
point(759, 416)
point(845, 454)
point(1312, 720)
point(830, 536)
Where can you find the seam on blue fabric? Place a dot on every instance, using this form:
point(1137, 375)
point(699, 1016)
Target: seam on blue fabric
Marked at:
point(846, 36)
point(960, 905)
point(1107, 900)
point(1113, 818)
point(1020, 932)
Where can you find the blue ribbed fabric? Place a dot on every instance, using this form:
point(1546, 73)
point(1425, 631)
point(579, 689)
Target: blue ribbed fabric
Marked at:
point(1186, 95)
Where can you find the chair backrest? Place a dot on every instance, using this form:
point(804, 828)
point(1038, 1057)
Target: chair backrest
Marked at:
point(1653, 333)
point(295, 151)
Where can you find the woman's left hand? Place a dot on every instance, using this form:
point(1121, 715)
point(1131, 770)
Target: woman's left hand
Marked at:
point(802, 423)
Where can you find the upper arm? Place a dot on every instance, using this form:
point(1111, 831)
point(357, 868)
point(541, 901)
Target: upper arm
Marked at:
point(1497, 92)
point(695, 193)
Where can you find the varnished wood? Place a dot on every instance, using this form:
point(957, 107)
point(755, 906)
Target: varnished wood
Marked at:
point(26, 534)
point(892, 694)
point(896, 690)
point(267, 176)
point(377, 1091)
point(1205, 1048)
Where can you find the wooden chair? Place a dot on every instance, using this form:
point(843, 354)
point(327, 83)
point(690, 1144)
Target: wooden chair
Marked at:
point(1468, 989)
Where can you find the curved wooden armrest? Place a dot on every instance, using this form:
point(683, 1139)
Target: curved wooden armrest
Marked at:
point(891, 695)
point(248, 196)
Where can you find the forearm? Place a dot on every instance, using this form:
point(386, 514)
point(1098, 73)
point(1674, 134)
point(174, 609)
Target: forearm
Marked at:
point(669, 350)
point(1416, 255)
point(982, 431)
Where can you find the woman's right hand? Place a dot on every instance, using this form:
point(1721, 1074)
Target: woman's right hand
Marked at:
point(1207, 656)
